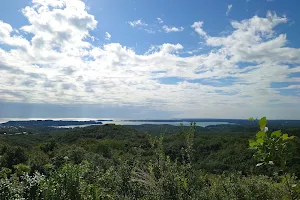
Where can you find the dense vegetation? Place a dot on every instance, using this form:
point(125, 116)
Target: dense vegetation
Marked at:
point(119, 162)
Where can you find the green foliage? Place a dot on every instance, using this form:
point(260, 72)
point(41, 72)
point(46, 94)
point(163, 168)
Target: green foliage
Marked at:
point(49, 146)
point(23, 187)
point(262, 123)
point(251, 119)
point(13, 156)
point(274, 149)
point(164, 179)
point(271, 149)
point(235, 186)
point(5, 172)
point(21, 169)
point(67, 183)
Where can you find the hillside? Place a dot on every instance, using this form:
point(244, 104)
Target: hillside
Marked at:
point(132, 162)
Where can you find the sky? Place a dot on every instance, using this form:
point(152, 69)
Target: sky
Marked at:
point(153, 59)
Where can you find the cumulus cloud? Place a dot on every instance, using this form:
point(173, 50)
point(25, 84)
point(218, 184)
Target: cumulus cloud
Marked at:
point(107, 36)
point(198, 28)
point(170, 48)
point(254, 40)
point(228, 9)
point(59, 65)
point(6, 37)
point(172, 29)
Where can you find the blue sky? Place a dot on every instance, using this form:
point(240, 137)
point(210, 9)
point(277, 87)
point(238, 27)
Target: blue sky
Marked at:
point(150, 59)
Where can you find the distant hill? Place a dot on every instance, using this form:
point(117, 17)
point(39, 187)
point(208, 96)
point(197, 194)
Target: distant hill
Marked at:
point(45, 123)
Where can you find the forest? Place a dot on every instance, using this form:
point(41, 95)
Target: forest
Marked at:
point(151, 162)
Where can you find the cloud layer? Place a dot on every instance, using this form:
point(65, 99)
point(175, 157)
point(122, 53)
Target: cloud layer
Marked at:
point(53, 60)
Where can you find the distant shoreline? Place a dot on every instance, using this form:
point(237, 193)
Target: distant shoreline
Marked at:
point(60, 122)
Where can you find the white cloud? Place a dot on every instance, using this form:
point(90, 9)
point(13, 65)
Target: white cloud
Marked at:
point(228, 9)
point(59, 65)
point(255, 40)
point(198, 28)
point(172, 29)
point(160, 20)
point(137, 23)
point(107, 36)
point(170, 48)
point(6, 38)
point(141, 25)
